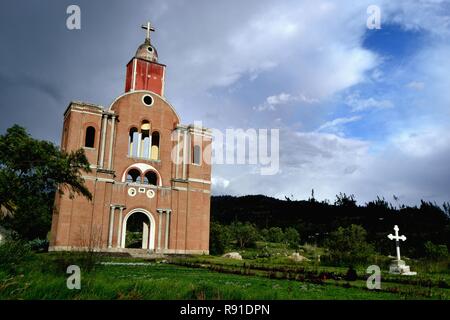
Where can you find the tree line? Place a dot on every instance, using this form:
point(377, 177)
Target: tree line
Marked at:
point(315, 221)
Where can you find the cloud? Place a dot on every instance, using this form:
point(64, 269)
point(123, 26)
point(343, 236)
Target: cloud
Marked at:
point(219, 185)
point(283, 98)
point(360, 104)
point(411, 166)
point(337, 124)
point(295, 42)
point(416, 85)
point(225, 58)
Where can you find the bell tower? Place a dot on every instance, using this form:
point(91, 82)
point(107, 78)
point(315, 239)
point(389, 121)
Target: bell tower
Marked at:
point(143, 71)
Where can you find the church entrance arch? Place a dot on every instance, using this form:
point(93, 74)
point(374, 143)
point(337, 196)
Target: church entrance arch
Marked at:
point(138, 230)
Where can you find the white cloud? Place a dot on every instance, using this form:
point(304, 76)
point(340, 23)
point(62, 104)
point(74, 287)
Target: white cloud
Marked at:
point(411, 166)
point(220, 184)
point(421, 142)
point(279, 99)
point(282, 99)
point(416, 85)
point(314, 48)
point(295, 41)
point(337, 124)
point(360, 104)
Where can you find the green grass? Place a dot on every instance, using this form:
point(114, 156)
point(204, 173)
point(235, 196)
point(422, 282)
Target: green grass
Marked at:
point(44, 278)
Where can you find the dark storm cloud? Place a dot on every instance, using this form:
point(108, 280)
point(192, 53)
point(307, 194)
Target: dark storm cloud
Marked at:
point(226, 58)
point(45, 66)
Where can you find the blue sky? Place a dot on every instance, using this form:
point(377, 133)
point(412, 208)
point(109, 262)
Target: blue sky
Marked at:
point(359, 111)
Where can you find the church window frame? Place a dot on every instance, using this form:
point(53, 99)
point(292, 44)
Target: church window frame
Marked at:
point(89, 137)
point(197, 155)
point(145, 145)
point(133, 134)
point(155, 153)
point(136, 178)
point(154, 178)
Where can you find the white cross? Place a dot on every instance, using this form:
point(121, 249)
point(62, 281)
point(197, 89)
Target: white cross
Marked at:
point(397, 238)
point(149, 28)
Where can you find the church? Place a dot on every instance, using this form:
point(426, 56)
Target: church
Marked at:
point(150, 176)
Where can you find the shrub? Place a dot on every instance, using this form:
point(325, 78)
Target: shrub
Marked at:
point(265, 253)
point(351, 274)
point(276, 235)
point(39, 245)
point(435, 251)
point(291, 237)
point(219, 238)
point(264, 234)
point(86, 260)
point(13, 254)
point(349, 245)
point(245, 234)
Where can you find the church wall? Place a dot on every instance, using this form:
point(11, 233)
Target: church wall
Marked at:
point(78, 118)
point(185, 189)
point(131, 112)
point(198, 222)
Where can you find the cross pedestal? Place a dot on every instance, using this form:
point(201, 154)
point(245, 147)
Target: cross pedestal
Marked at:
point(399, 266)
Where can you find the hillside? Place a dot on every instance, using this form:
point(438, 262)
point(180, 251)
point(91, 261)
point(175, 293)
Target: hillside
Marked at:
point(314, 220)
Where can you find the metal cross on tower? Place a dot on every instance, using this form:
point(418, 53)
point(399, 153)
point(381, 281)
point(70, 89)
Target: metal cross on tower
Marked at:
point(149, 28)
point(397, 238)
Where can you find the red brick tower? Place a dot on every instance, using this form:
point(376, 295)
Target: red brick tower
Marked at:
point(143, 71)
point(149, 172)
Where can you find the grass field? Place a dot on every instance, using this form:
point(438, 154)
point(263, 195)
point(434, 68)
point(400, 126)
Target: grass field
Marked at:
point(204, 277)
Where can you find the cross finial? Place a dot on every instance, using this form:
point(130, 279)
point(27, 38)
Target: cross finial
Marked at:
point(397, 238)
point(149, 28)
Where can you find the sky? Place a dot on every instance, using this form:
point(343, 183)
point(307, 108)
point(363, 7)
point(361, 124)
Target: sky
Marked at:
point(360, 111)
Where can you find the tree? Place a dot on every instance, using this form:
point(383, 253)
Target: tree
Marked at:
point(31, 171)
point(264, 234)
point(276, 235)
point(245, 234)
point(349, 245)
point(291, 237)
point(436, 252)
point(446, 207)
point(343, 200)
point(219, 238)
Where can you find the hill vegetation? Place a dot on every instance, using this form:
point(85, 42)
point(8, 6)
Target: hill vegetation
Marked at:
point(427, 226)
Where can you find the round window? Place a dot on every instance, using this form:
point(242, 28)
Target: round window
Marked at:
point(147, 100)
point(150, 49)
point(132, 192)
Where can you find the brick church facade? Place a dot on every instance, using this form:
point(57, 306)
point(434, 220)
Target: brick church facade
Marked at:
point(143, 163)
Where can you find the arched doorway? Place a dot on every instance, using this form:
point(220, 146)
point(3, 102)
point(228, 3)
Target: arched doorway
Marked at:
point(138, 230)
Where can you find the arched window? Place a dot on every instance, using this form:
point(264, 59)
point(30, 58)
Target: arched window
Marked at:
point(134, 175)
point(145, 140)
point(155, 146)
point(151, 178)
point(196, 155)
point(132, 142)
point(89, 139)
